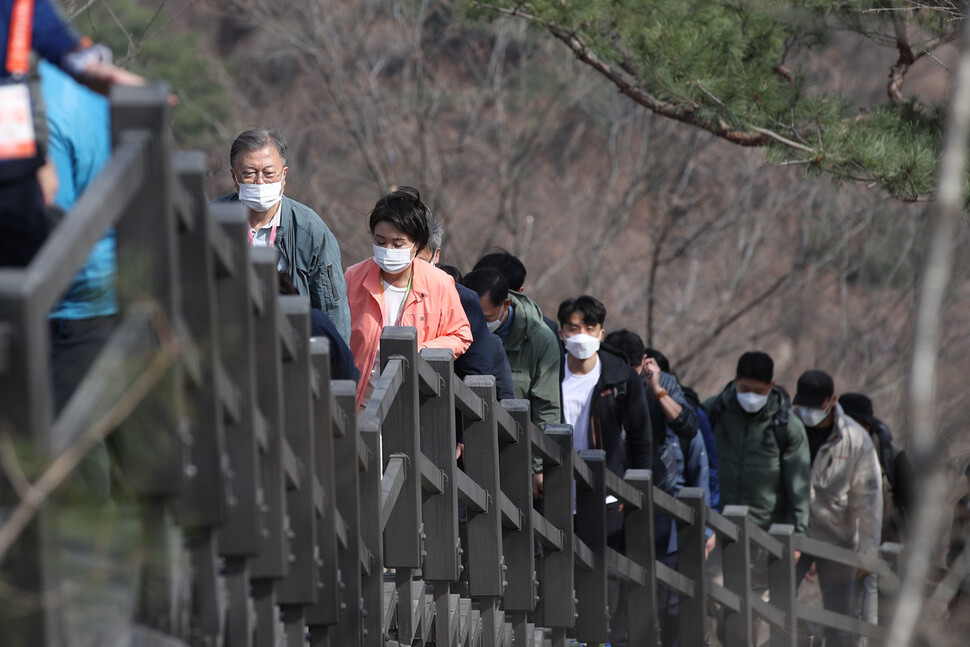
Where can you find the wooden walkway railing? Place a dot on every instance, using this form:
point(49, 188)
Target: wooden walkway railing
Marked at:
point(274, 514)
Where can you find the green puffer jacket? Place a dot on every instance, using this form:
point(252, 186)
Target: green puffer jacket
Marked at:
point(752, 471)
point(535, 360)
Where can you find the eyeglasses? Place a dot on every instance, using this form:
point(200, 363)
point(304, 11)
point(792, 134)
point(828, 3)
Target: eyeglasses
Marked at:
point(252, 177)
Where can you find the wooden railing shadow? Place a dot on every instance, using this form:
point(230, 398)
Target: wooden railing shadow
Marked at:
point(274, 513)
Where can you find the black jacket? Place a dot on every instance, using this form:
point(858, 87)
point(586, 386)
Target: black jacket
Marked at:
point(477, 358)
point(619, 403)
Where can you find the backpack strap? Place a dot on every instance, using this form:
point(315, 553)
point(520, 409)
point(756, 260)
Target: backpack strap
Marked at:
point(779, 424)
point(714, 415)
point(881, 431)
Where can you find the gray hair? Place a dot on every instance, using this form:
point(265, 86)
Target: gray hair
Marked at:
point(436, 232)
point(257, 139)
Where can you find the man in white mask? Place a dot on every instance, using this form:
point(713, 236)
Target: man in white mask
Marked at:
point(309, 253)
point(605, 401)
point(846, 503)
point(763, 460)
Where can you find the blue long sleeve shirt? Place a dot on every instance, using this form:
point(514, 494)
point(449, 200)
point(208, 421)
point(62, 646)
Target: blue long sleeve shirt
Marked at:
point(79, 147)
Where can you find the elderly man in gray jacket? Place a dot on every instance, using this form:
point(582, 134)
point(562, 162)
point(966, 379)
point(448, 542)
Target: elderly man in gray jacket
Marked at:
point(309, 253)
point(846, 494)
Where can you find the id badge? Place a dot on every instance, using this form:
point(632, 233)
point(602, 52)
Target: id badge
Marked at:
point(17, 137)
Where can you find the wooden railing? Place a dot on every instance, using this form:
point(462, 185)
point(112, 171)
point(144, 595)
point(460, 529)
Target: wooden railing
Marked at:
point(295, 518)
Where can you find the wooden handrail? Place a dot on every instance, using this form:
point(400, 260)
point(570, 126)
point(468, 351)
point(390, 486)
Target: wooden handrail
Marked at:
point(391, 484)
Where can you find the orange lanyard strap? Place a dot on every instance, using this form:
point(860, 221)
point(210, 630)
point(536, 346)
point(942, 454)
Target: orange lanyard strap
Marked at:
point(19, 40)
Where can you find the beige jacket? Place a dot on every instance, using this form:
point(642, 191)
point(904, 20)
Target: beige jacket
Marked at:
point(846, 489)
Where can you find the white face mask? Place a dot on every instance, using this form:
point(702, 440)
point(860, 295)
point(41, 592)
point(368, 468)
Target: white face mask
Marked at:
point(261, 197)
point(495, 325)
point(811, 416)
point(752, 402)
point(393, 260)
point(582, 346)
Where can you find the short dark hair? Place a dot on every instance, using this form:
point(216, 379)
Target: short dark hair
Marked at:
point(507, 265)
point(592, 309)
point(255, 140)
point(488, 281)
point(756, 365)
point(451, 271)
point(628, 343)
point(403, 209)
point(660, 358)
point(814, 388)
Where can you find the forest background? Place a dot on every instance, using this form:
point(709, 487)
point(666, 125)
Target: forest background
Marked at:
point(703, 247)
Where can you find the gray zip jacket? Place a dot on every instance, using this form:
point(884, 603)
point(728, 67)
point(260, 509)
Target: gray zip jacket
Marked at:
point(847, 488)
point(312, 259)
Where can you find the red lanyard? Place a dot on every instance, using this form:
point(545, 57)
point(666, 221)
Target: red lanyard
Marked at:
point(19, 39)
point(272, 236)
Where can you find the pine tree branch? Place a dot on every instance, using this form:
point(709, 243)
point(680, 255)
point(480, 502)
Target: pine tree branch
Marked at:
point(899, 69)
point(688, 114)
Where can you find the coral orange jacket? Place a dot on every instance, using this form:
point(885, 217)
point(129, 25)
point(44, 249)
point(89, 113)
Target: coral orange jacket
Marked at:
point(432, 306)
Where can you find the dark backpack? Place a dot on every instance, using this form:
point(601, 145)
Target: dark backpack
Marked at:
point(895, 496)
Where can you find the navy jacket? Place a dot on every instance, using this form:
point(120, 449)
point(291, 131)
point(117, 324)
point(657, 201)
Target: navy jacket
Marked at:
point(341, 359)
point(477, 359)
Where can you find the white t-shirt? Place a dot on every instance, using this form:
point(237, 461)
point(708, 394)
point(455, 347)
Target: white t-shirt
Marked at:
point(577, 395)
point(393, 302)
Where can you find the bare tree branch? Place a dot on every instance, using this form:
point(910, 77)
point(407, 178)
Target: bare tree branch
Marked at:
point(922, 383)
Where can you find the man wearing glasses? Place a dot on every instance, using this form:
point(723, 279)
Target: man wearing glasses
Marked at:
point(309, 254)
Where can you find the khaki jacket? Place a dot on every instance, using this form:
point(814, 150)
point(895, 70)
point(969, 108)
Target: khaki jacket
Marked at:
point(846, 488)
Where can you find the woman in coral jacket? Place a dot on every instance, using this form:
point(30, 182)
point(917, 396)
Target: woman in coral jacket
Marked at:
point(395, 288)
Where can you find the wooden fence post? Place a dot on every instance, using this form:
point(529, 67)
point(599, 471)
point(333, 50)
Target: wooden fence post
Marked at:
point(203, 504)
point(559, 588)
point(326, 612)
point(371, 556)
point(271, 561)
point(888, 594)
point(299, 588)
point(781, 585)
point(239, 539)
point(515, 461)
point(440, 512)
point(148, 267)
point(401, 435)
point(348, 631)
point(641, 549)
point(736, 559)
point(593, 624)
point(486, 562)
point(691, 539)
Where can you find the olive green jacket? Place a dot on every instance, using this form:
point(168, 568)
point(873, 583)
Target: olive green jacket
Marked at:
point(775, 485)
point(535, 360)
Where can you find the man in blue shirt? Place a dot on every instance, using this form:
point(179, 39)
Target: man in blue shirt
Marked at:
point(80, 146)
point(83, 320)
